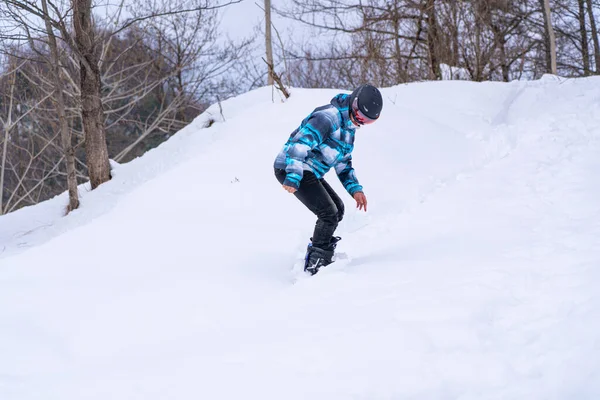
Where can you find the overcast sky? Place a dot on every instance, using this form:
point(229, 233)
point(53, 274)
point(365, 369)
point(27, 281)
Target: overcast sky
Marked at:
point(240, 20)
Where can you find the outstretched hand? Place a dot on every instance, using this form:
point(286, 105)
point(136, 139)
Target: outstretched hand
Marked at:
point(361, 200)
point(289, 189)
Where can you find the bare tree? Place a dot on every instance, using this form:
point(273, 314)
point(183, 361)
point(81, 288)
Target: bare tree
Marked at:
point(65, 132)
point(26, 28)
point(433, 40)
point(185, 66)
point(84, 46)
point(91, 94)
point(502, 41)
point(7, 126)
point(585, 53)
point(25, 168)
point(156, 75)
point(595, 40)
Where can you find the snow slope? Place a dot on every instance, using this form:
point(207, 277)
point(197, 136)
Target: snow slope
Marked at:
point(473, 275)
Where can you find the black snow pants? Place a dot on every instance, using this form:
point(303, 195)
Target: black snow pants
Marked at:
point(323, 201)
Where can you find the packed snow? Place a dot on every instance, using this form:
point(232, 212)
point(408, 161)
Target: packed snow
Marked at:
point(473, 275)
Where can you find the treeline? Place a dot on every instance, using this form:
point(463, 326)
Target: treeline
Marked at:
point(76, 92)
point(81, 85)
point(396, 41)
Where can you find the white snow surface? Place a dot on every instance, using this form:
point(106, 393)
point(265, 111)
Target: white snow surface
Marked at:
point(473, 275)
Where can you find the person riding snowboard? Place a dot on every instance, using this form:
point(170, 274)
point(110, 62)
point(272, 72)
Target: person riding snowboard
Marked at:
point(325, 140)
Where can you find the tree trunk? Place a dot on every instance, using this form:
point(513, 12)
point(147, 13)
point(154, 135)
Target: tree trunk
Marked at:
point(399, 76)
point(585, 52)
point(415, 43)
point(503, 59)
point(92, 114)
point(455, 34)
point(268, 41)
point(432, 40)
point(180, 115)
point(594, 35)
point(65, 132)
point(7, 125)
point(550, 38)
point(478, 76)
point(500, 44)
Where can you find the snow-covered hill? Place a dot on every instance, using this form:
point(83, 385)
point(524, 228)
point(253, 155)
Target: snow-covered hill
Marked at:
point(474, 274)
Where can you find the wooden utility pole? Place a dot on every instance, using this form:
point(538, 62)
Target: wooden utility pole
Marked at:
point(550, 37)
point(269, 44)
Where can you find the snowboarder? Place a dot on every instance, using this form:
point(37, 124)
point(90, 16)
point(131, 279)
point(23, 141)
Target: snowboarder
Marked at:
point(325, 140)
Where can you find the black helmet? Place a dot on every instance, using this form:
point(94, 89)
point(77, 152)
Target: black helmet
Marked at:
point(366, 104)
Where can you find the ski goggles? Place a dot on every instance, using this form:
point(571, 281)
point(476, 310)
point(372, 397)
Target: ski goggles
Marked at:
point(358, 115)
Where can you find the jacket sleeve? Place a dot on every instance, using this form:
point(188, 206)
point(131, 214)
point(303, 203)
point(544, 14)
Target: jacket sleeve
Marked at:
point(312, 133)
point(346, 174)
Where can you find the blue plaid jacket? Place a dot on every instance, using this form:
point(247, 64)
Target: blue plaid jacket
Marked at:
point(324, 140)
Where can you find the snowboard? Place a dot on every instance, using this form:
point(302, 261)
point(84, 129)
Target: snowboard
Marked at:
point(340, 259)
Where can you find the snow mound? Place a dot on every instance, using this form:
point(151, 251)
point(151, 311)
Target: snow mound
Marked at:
point(473, 275)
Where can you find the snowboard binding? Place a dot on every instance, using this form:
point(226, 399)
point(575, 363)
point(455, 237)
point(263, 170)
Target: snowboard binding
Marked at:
point(316, 257)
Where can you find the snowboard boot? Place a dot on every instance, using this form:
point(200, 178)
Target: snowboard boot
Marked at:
point(323, 256)
point(317, 258)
